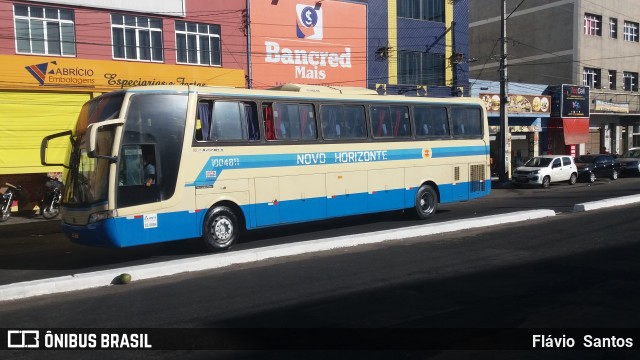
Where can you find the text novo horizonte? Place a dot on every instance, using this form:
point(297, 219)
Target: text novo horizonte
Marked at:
point(342, 157)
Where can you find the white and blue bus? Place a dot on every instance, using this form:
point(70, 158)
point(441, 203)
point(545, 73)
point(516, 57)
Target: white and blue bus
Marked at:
point(155, 164)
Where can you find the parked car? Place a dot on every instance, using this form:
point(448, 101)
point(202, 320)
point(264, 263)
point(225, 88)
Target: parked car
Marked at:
point(543, 170)
point(630, 161)
point(592, 167)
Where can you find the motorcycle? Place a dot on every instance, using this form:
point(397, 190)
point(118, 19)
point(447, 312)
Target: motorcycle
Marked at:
point(9, 195)
point(50, 203)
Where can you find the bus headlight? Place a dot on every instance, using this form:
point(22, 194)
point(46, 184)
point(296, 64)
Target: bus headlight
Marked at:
point(102, 215)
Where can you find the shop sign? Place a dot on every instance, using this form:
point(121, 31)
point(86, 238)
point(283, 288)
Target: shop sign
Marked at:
point(570, 101)
point(521, 104)
point(606, 106)
point(308, 42)
point(494, 129)
point(70, 74)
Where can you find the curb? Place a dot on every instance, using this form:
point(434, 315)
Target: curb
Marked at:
point(600, 204)
point(208, 262)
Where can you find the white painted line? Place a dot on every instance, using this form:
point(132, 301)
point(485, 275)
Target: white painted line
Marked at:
point(593, 205)
point(215, 261)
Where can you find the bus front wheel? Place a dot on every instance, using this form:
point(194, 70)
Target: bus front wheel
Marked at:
point(221, 229)
point(426, 202)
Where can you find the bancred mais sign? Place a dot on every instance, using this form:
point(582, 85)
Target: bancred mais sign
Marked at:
point(308, 42)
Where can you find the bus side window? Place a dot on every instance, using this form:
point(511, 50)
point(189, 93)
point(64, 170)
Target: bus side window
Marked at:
point(329, 115)
point(431, 122)
point(381, 120)
point(401, 127)
point(355, 115)
point(466, 121)
point(251, 119)
point(203, 120)
point(307, 121)
point(281, 122)
point(227, 122)
point(269, 124)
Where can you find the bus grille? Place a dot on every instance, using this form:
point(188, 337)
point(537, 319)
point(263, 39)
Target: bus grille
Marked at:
point(477, 178)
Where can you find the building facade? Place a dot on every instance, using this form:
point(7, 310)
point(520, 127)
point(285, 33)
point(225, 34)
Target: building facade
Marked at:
point(580, 43)
point(419, 47)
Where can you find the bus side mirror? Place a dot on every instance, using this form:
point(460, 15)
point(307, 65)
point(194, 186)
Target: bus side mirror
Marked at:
point(93, 129)
point(45, 145)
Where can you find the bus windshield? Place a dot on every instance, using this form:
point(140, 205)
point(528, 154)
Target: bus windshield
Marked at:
point(87, 179)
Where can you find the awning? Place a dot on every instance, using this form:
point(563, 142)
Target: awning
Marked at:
point(576, 130)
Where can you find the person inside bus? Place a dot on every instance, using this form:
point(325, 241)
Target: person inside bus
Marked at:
point(149, 169)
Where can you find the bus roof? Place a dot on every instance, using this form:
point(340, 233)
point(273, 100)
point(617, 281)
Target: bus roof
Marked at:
point(307, 92)
point(325, 89)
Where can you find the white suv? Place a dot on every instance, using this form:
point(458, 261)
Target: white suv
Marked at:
point(543, 170)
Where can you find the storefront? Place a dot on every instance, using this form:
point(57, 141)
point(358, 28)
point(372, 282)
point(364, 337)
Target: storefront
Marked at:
point(528, 115)
point(569, 122)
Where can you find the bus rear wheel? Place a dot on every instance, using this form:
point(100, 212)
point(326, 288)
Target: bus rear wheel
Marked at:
point(221, 229)
point(426, 202)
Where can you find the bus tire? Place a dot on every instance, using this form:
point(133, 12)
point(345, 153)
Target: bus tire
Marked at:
point(426, 202)
point(220, 229)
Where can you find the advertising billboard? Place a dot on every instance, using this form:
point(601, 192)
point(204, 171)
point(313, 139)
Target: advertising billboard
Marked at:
point(308, 42)
point(71, 74)
point(569, 101)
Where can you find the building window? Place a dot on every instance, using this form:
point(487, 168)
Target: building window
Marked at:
point(630, 81)
point(613, 28)
point(612, 79)
point(430, 10)
point(591, 78)
point(630, 31)
point(137, 37)
point(420, 68)
point(592, 25)
point(198, 43)
point(44, 30)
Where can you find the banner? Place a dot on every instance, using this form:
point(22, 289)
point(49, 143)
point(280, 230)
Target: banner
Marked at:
point(308, 42)
point(71, 74)
point(539, 104)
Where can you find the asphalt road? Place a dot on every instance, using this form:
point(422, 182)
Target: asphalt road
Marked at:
point(32, 249)
point(575, 270)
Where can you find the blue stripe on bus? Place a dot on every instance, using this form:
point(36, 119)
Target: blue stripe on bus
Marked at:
point(459, 151)
point(129, 231)
point(217, 164)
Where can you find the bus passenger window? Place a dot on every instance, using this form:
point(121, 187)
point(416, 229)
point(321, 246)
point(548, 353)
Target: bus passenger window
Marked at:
point(431, 122)
point(203, 120)
point(269, 125)
point(343, 122)
point(307, 121)
point(389, 122)
point(401, 125)
point(467, 121)
point(281, 122)
point(227, 122)
point(251, 120)
point(356, 120)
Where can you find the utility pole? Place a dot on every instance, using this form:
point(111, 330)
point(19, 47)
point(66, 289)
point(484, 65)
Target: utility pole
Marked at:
point(503, 160)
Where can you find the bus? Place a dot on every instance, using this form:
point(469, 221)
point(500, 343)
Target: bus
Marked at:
point(162, 163)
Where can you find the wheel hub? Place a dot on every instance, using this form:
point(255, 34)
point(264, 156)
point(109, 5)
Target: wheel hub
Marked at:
point(223, 229)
